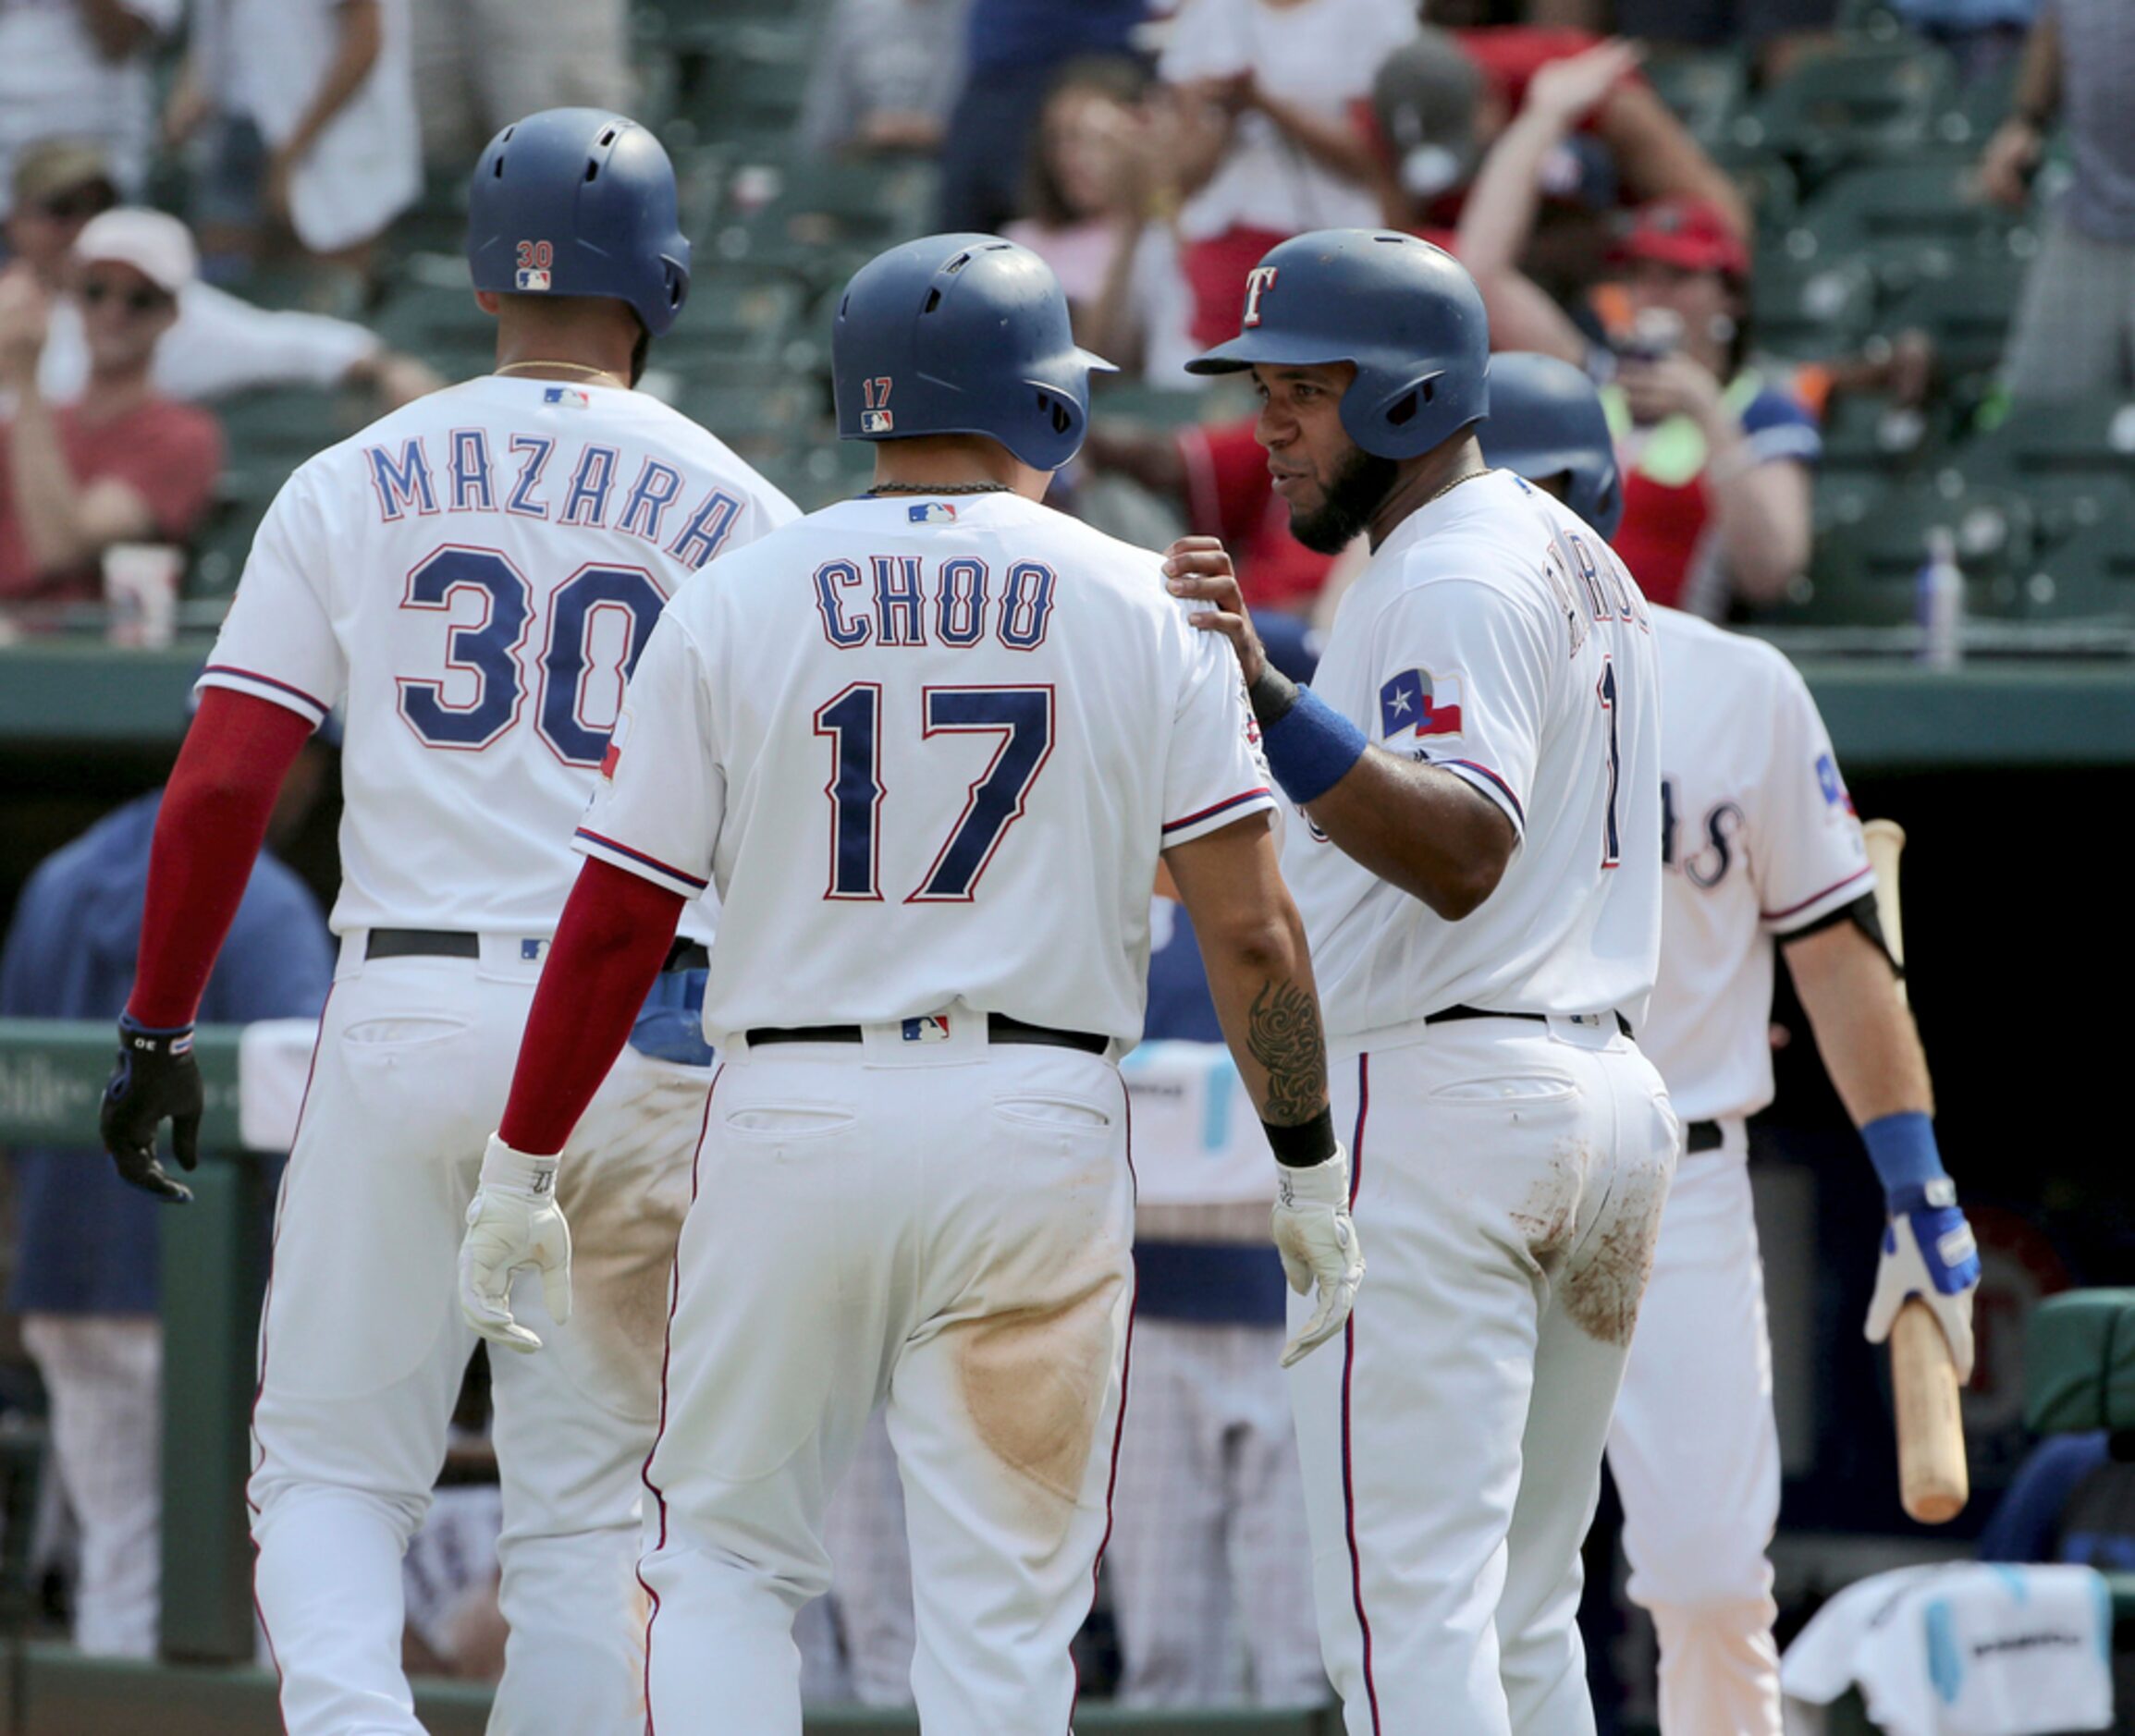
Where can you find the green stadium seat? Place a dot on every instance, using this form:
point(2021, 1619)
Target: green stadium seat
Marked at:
point(1914, 216)
point(2080, 1362)
point(829, 219)
point(1965, 309)
point(1811, 308)
point(1863, 575)
point(1864, 432)
point(2088, 576)
point(1859, 103)
point(1705, 89)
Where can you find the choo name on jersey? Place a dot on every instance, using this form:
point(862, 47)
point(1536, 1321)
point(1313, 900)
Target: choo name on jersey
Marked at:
point(906, 600)
point(579, 488)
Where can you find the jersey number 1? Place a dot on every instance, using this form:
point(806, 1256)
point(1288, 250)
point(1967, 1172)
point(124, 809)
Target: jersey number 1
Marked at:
point(1021, 717)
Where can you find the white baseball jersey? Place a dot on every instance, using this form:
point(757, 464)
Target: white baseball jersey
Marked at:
point(1759, 839)
point(474, 576)
point(927, 749)
point(1495, 634)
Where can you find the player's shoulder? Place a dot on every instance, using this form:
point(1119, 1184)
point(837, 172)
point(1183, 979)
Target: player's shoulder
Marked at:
point(1725, 659)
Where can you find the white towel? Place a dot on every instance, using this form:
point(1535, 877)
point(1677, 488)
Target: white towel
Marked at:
point(1965, 1649)
point(274, 1067)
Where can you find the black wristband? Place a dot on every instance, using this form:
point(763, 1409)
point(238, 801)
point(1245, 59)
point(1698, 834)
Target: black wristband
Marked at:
point(1272, 695)
point(1305, 1143)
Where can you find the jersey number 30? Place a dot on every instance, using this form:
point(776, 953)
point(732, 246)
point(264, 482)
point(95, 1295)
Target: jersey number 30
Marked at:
point(1021, 717)
point(488, 649)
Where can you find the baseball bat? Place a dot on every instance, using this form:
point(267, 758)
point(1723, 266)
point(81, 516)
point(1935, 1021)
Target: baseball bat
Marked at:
point(1933, 1481)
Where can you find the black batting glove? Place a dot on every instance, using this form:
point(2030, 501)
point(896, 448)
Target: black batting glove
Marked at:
point(156, 1077)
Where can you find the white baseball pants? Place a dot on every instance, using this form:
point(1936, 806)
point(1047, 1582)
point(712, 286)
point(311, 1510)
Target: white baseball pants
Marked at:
point(104, 1376)
point(944, 1225)
point(363, 1349)
point(1694, 1452)
point(1209, 1562)
point(1508, 1181)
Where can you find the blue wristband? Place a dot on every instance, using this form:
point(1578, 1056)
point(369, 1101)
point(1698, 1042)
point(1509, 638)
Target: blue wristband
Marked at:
point(1902, 1148)
point(1311, 746)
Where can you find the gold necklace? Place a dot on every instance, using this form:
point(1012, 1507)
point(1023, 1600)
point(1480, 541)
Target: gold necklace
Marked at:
point(575, 367)
point(1447, 488)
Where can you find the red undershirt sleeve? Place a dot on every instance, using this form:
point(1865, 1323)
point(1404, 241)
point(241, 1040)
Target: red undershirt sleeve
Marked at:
point(609, 944)
point(208, 833)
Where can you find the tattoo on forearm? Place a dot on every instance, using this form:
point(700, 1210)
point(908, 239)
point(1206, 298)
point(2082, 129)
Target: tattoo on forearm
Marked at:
point(1284, 1036)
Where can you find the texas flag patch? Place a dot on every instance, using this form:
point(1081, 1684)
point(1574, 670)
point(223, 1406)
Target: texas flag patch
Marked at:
point(1420, 700)
point(1833, 786)
point(931, 512)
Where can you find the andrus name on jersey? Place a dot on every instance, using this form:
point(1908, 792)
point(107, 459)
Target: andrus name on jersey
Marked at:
point(1714, 851)
point(901, 599)
point(576, 487)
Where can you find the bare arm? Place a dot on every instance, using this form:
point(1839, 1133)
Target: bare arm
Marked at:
point(1498, 218)
point(2013, 152)
point(1425, 830)
point(1657, 156)
point(117, 32)
point(1866, 1035)
point(360, 35)
point(1335, 145)
point(1253, 945)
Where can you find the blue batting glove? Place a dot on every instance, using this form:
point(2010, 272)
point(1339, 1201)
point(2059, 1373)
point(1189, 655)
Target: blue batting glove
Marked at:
point(1927, 1251)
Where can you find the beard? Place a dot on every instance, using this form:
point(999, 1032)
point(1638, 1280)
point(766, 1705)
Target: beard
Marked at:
point(1359, 488)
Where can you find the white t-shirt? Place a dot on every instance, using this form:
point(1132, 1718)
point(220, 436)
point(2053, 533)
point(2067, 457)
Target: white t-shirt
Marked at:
point(472, 578)
point(1496, 635)
point(219, 345)
point(55, 82)
point(266, 59)
point(1321, 55)
point(928, 751)
point(1758, 840)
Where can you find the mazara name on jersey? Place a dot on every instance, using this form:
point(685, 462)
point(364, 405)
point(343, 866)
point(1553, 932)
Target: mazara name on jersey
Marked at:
point(539, 476)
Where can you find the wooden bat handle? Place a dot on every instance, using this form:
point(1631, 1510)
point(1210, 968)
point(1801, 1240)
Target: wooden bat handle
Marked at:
point(1933, 1482)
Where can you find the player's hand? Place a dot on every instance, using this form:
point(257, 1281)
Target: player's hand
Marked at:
point(1318, 1245)
point(1928, 1252)
point(513, 1222)
point(1197, 567)
point(155, 1077)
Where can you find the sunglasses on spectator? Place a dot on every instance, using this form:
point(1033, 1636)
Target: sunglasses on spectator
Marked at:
point(78, 204)
point(96, 292)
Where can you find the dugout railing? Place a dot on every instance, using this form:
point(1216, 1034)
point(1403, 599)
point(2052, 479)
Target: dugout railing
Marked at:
point(213, 1254)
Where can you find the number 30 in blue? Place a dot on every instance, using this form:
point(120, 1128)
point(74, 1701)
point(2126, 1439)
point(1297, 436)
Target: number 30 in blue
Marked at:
point(488, 649)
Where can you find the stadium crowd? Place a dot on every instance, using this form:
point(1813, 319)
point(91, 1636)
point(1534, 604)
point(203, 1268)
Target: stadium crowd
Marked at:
point(231, 236)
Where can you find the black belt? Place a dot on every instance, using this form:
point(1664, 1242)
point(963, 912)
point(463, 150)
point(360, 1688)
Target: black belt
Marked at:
point(1703, 1136)
point(453, 943)
point(1447, 1015)
point(1000, 1027)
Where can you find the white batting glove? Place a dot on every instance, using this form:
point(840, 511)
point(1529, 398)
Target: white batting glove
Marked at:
point(513, 1222)
point(1318, 1245)
point(1929, 1253)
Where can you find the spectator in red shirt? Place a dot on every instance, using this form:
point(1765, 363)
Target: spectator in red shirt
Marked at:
point(122, 464)
point(1217, 474)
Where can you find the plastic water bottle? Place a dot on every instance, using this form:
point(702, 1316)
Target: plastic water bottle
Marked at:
point(1939, 601)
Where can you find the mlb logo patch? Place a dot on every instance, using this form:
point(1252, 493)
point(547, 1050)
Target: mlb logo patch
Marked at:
point(1420, 701)
point(876, 422)
point(929, 1028)
point(932, 512)
point(1833, 786)
point(531, 951)
point(531, 281)
point(570, 396)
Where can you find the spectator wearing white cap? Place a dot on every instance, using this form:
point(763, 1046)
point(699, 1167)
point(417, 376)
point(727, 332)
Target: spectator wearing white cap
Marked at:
point(123, 463)
point(221, 344)
point(81, 68)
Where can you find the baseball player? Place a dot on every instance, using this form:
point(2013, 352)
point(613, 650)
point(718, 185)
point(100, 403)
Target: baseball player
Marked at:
point(929, 744)
point(472, 578)
point(1478, 868)
point(1760, 846)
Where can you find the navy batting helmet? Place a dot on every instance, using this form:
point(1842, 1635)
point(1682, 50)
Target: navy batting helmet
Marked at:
point(962, 334)
point(578, 201)
point(1546, 420)
point(1402, 309)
